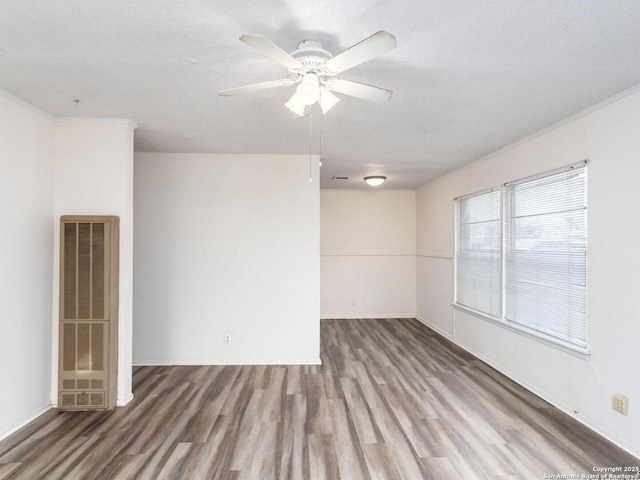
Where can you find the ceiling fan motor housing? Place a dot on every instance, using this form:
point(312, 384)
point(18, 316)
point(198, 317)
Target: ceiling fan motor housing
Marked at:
point(313, 58)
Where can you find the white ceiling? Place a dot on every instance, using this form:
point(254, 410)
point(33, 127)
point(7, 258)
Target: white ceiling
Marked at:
point(469, 77)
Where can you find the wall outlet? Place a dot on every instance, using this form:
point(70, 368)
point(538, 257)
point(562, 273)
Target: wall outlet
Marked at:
point(620, 403)
point(227, 339)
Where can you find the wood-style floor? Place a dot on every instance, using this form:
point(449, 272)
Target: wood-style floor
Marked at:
point(392, 400)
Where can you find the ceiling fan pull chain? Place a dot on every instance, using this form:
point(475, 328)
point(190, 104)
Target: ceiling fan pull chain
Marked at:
point(320, 135)
point(310, 165)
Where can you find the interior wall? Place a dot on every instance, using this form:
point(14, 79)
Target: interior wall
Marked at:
point(26, 209)
point(368, 248)
point(94, 176)
point(583, 387)
point(226, 245)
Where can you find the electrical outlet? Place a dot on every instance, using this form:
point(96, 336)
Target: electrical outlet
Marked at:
point(620, 403)
point(227, 339)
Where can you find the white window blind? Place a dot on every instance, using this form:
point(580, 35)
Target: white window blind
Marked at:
point(545, 258)
point(478, 255)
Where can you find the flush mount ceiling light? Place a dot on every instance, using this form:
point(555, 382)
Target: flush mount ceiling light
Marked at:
point(314, 70)
point(375, 180)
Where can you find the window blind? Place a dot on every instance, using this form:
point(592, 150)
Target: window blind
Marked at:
point(478, 254)
point(545, 257)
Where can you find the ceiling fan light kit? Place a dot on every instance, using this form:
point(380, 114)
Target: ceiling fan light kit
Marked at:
point(375, 180)
point(314, 70)
point(309, 89)
point(327, 100)
point(296, 105)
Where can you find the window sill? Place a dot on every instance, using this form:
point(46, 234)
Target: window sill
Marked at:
point(539, 337)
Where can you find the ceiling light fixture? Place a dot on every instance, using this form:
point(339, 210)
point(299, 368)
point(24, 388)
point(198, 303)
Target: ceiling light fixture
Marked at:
point(327, 100)
point(314, 70)
point(296, 105)
point(309, 91)
point(375, 180)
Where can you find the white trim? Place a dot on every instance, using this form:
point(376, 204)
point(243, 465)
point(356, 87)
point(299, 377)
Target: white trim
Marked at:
point(25, 104)
point(370, 255)
point(563, 408)
point(121, 402)
point(90, 120)
point(532, 334)
point(435, 328)
point(554, 126)
point(366, 316)
point(4, 435)
point(442, 256)
point(199, 364)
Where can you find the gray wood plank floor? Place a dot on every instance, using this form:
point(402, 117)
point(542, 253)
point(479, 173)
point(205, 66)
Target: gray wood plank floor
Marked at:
point(392, 400)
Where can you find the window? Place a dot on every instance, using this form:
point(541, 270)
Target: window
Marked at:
point(478, 256)
point(542, 247)
point(546, 251)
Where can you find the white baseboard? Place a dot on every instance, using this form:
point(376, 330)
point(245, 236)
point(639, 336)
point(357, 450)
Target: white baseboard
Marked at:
point(563, 408)
point(121, 402)
point(352, 316)
point(171, 363)
point(25, 423)
point(435, 328)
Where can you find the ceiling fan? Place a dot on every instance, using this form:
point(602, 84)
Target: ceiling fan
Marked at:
point(315, 70)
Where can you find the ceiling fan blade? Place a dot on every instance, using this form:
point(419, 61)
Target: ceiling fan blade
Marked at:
point(271, 50)
point(360, 90)
point(371, 47)
point(258, 86)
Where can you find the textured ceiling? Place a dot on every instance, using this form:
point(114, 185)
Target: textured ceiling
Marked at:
point(469, 77)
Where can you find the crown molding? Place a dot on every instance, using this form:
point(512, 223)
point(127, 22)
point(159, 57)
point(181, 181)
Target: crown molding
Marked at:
point(102, 121)
point(25, 104)
point(582, 113)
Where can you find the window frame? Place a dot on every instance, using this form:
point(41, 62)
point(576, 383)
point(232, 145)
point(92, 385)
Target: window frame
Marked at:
point(500, 285)
point(505, 219)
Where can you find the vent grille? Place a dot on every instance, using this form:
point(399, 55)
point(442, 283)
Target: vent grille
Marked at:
point(88, 310)
point(84, 271)
point(84, 346)
point(340, 178)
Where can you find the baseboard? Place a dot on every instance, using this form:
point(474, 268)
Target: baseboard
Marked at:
point(186, 363)
point(507, 373)
point(436, 329)
point(25, 423)
point(121, 402)
point(352, 316)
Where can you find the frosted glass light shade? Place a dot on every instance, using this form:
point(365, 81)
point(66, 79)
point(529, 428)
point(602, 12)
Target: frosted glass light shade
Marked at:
point(309, 89)
point(375, 180)
point(327, 100)
point(296, 105)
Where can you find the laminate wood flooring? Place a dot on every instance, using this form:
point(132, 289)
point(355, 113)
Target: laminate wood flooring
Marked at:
point(392, 400)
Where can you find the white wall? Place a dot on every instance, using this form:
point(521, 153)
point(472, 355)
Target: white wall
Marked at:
point(94, 176)
point(26, 210)
point(368, 247)
point(610, 138)
point(226, 244)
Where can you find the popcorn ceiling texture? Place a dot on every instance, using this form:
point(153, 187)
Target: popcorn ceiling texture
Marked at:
point(469, 77)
